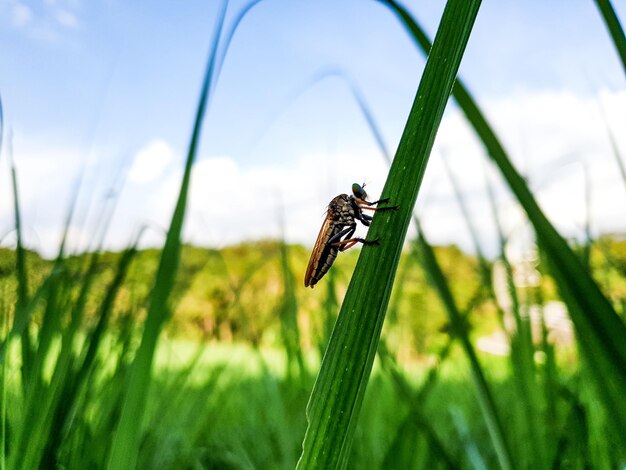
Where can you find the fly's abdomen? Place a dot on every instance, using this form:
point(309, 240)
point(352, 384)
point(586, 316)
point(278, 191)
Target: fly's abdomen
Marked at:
point(324, 263)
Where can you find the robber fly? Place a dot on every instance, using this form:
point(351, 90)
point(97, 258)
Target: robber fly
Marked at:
point(339, 226)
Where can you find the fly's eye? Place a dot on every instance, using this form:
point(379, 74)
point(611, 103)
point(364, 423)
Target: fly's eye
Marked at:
point(357, 190)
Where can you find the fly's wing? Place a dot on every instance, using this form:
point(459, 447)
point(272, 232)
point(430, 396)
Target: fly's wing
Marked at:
point(318, 249)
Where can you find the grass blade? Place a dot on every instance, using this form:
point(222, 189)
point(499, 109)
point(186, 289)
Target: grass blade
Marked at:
point(459, 326)
point(337, 396)
point(125, 442)
point(416, 415)
point(4, 314)
point(614, 27)
point(289, 316)
point(22, 281)
point(600, 330)
point(615, 149)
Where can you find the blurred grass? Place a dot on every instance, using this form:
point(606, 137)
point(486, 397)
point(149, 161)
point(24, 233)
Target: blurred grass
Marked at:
point(459, 329)
point(615, 28)
point(126, 440)
point(90, 380)
point(599, 329)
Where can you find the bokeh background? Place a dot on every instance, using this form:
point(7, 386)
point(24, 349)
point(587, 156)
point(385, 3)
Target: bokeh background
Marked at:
point(98, 102)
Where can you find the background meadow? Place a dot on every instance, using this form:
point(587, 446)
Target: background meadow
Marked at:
point(164, 173)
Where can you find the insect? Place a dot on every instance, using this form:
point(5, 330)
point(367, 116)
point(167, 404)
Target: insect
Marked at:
point(339, 225)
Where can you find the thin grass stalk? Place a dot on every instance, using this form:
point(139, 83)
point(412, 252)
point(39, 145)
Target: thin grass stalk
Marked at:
point(37, 423)
point(522, 356)
point(433, 373)
point(473, 454)
point(106, 213)
point(411, 398)
point(459, 326)
point(4, 313)
point(228, 36)
point(289, 317)
point(406, 449)
point(615, 28)
point(77, 380)
point(337, 396)
point(588, 242)
point(57, 303)
point(615, 149)
point(483, 264)
point(512, 290)
point(600, 330)
point(549, 369)
point(22, 282)
point(20, 323)
point(126, 439)
point(576, 427)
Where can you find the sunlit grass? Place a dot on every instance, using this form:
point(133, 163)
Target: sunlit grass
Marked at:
point(91, 377)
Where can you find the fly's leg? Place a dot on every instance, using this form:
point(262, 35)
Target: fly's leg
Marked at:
point(348, 232)
point(349, 242)
point(367, 203)
point(392, 208)
point(366, 219)
point(346, 244)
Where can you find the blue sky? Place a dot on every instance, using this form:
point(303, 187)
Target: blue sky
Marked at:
point(113, 85)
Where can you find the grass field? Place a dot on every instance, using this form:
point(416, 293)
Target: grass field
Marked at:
point(185, 357)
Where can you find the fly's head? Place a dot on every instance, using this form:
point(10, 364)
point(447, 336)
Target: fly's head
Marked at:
point(359, 191)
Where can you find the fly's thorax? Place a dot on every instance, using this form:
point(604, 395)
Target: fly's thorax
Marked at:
point(341, 209)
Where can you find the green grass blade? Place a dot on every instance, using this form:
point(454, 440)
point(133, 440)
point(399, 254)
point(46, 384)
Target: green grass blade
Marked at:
point(522, 350)
point(460, 201)
point(614, 27)
point(22, 282)
point(72, 386)
point(289, 317)
point(105, 311)
point(600, 330)
point(337, 396)
point(459, 326)
point(126, 440)
point(416, 413)
point(484, 266)
point(615, 150)
point(4, 364)
point(473, 454)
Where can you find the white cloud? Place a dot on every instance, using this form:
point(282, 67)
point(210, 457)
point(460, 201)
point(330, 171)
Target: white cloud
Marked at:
point(150, 162)
point(551, 137)
point(22, 15)
point(45, 23)
point(229, 202)
point(66, 18)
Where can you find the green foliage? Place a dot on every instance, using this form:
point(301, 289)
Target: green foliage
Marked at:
point(599, 329)
point(234, 293)
point(89, 381)
point(126, 440)
point(614, 27)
